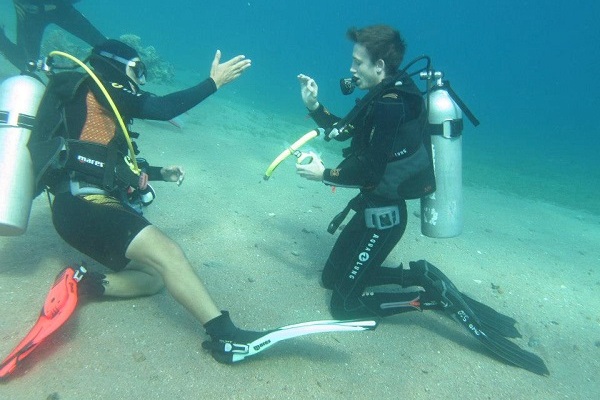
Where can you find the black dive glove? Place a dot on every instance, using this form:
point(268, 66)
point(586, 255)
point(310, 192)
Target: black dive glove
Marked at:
point(226, 338)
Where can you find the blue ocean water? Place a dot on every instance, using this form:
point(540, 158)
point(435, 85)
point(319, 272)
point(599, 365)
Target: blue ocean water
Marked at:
point(528, 70)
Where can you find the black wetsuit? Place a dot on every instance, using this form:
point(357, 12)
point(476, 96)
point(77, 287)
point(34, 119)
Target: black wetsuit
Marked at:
point(102, 225)
point(33, 16)
point(355, 262)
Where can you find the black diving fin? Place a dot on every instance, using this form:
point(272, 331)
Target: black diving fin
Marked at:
point(492, 320)
point(490, 333)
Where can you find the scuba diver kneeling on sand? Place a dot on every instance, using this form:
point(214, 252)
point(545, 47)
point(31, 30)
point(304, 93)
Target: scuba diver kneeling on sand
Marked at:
point(389, 162)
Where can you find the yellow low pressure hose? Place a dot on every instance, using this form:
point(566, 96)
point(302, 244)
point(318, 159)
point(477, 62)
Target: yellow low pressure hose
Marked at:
point(290, 150)
point(110, 101)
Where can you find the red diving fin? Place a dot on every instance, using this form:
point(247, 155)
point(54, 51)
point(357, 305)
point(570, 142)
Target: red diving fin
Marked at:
point(59, 306)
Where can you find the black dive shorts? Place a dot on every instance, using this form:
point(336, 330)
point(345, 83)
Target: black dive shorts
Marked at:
point(98, 226)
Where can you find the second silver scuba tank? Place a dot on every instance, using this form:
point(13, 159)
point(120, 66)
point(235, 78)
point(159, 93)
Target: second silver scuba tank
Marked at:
point(441, 211)
point(20, 97)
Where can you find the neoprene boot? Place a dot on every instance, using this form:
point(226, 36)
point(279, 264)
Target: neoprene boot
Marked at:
point(224, 334)
point(92, 285)
point(223, 328)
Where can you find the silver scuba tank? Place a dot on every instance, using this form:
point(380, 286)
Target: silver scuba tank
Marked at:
point(20, 97)
point(442, 211)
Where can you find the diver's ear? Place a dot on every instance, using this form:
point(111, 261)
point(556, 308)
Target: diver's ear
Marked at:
point(379, 66)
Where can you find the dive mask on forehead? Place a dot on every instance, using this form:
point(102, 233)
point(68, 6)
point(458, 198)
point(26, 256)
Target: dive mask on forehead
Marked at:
point(137, 66)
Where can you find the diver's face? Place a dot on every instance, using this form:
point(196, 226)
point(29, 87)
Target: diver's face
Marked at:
point(366, 73)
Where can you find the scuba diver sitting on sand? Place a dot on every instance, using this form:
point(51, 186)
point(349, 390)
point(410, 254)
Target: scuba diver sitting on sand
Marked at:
point(97, 195)
point(389, 160)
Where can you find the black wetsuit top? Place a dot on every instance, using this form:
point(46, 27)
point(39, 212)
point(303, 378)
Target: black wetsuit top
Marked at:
point(144, 105)
point(102, 226)
point(373, 139)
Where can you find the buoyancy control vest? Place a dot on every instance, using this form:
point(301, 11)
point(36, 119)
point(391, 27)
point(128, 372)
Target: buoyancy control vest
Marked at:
point(409, 175)
point(409, 171)
point(75, 137)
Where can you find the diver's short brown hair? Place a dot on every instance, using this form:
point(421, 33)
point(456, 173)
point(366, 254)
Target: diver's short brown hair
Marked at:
point(382, 42)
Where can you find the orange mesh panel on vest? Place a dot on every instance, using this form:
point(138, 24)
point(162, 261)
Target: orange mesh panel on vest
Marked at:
point(99, 125)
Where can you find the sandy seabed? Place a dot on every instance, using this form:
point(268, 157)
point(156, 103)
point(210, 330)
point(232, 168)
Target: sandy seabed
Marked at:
point(260, 246)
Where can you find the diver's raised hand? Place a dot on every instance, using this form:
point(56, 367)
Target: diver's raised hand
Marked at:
point(230, 70)
point(309, 91)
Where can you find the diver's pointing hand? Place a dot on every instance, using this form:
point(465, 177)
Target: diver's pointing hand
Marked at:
point(309, 91)
point(224, 73)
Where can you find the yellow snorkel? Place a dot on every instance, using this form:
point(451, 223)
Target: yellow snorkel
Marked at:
point(291, 150)
point(132, 161)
